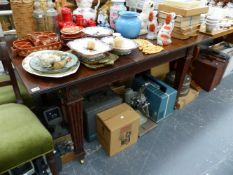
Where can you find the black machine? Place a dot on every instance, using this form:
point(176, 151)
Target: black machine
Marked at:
point(94, 103)
point(38, 166)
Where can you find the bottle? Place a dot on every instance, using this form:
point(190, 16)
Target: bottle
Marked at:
point(116, 7)
point(39, 17)
point(51, 18)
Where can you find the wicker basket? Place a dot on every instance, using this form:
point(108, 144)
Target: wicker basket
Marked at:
point(22, 15)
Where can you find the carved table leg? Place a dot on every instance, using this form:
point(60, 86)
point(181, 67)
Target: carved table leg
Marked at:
point(73, 106)
point(182, 68)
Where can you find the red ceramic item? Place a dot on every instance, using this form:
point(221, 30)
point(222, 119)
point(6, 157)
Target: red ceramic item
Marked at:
point(80, 21)
point(36, 41)
point(91, 23)
point(67, 19)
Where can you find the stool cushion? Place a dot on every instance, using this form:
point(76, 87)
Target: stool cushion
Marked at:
point(7, 94)
point(22, 136)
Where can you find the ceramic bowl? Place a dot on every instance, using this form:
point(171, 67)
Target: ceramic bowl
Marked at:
point(80, 46)
point(211, 27)
point(127, 45)
point(97, 32)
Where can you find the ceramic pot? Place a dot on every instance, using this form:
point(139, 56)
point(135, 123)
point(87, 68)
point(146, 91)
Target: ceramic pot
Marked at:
point(128, 24)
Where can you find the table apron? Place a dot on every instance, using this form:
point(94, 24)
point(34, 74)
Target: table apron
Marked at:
point(130, 71)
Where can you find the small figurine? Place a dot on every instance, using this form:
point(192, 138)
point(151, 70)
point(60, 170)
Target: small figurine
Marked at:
point(164, 35)
point(85, 9)
point(152, 26)
point(102, 19)
point(147, 8)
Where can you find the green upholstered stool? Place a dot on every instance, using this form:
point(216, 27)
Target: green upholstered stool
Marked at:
point(7, 94)
point(22, 136)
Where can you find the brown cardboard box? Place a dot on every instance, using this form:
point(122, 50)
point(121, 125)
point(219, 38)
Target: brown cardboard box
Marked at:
point(181, 11)
point(117, 128)
point(183, 101)
point(160, 71)
point(183, 24)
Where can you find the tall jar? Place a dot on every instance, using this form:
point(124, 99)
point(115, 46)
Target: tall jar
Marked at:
point(39, 17)
point(116, 7)
point(128, 24)
point(51, 18)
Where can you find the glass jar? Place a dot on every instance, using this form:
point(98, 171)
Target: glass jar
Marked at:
point(116, 7)
point(51, 18)
point(39, 17)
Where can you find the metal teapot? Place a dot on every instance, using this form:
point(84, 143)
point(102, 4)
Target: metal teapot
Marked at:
point(84, 9)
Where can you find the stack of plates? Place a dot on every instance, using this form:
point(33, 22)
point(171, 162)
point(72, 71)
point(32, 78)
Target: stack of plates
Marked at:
point(71, 33)
point(212, 24)
point(33, 64)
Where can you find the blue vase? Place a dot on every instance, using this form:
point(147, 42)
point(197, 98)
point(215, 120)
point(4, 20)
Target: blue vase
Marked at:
point(128, 24)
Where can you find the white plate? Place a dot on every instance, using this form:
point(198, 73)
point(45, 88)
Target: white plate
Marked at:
point(80, 46)
point(97, 31)
point(127, 45)
point(26, 66)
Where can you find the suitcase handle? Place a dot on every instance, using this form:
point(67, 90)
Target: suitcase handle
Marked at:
point(162, 86)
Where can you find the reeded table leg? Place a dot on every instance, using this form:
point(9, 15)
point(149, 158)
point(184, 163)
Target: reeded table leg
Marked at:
point(182, 68)
point(73, 106)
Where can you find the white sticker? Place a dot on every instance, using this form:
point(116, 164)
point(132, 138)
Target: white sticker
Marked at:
point(35, 89)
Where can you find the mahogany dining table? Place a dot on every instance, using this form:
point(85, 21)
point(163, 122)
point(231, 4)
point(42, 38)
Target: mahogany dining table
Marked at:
point(84, 80)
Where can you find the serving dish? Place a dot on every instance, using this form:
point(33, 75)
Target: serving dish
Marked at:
point(80, 46)
point(97, 31)
point(71, 30)
point(27, 67)
point(67, 60)
point(126, 47)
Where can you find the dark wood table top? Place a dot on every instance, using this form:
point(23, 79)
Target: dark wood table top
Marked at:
point(135, 61)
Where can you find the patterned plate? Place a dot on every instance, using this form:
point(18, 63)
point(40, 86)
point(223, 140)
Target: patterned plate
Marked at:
point(36, 65)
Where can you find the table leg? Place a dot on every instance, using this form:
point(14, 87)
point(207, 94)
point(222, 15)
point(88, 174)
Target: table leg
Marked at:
point(73, 106)
point(182, 68)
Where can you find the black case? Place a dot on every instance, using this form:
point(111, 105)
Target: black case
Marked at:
point(94, 103)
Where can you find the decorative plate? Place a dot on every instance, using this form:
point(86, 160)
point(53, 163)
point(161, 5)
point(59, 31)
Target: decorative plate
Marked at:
point(26, 66)
point(126, 48)
point(35, 62)
point(72, 30)
point(98, 31)
point(81, 47)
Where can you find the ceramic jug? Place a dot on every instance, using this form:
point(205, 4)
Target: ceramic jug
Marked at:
point(128, 24)
point(84, 9)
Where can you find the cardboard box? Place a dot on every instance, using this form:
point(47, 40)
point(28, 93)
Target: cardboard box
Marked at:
point(183, 12)
point(183, 24)
point(118, 128)
point(187, 30)
point(184, 36)
point(180, 18)
point(160, 71)
point(183, 101)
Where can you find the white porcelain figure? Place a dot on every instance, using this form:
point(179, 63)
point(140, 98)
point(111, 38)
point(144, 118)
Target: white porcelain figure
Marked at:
point(164, 35)
point(152, 26)
point(102, 19)
point(84, 8)
point(147, 8)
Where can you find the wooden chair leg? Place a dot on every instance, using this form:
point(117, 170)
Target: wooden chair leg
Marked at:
point(52, 164)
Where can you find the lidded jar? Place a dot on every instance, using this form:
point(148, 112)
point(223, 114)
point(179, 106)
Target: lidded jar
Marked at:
point(39, 17)
point(116, 7)
point(51, 17)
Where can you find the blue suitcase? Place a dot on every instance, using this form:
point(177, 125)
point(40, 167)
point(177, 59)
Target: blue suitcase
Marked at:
point(161, 96)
